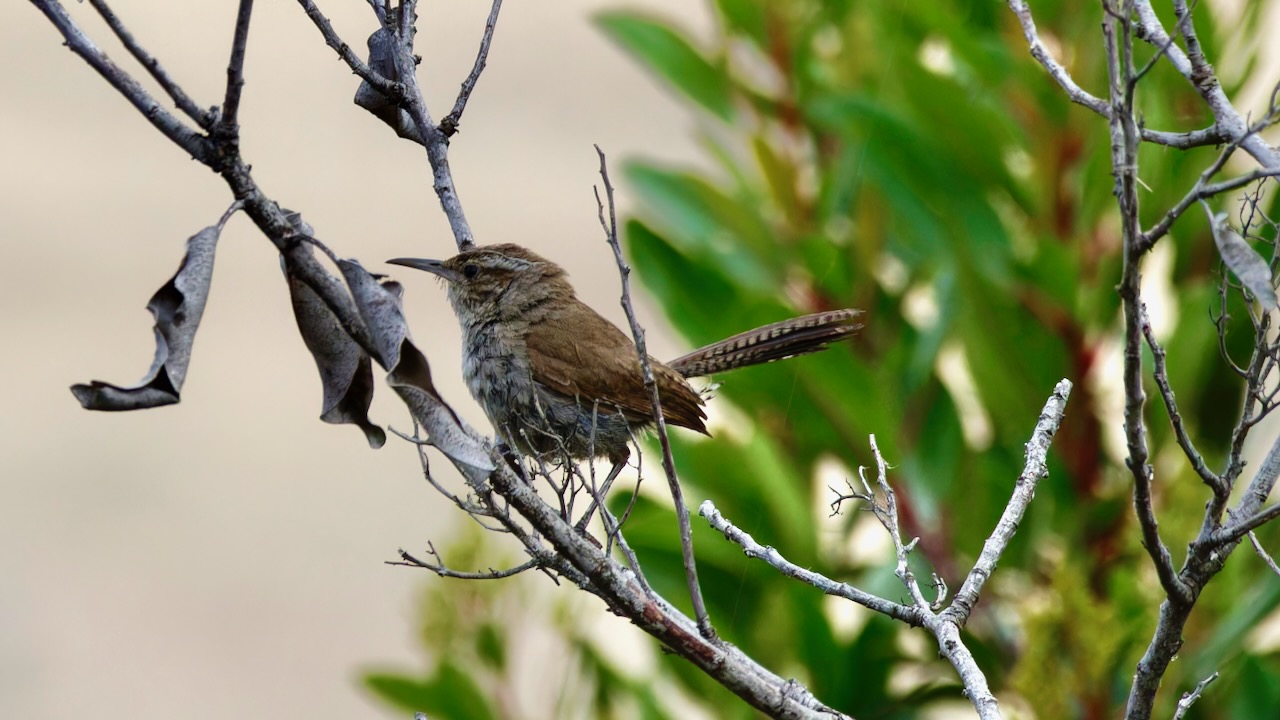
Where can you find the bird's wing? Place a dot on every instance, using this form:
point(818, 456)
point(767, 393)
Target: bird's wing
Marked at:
point(589, 358)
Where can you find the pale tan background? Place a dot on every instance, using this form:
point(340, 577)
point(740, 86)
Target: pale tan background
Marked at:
point(223, 558)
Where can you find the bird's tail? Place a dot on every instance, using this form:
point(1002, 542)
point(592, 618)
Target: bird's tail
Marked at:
point(778, 341)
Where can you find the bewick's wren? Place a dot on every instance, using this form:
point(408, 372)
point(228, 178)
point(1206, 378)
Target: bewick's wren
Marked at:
point(555, 377)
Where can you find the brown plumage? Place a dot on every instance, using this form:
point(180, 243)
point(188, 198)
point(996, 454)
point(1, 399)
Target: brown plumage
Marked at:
point(553, 375)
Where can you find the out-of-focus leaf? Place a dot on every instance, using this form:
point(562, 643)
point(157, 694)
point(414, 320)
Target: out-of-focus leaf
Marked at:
point(781, 176)
point(450, 693)
point(1255, 694)
point(748, 16)
point(459, 695)
point(707, 224)
point(673, 58)
point(936, 460)
point(177, 307)
point(408, 372)
point(405, 693)
point(1245, 262)
point(346, 375)
point(491, 645)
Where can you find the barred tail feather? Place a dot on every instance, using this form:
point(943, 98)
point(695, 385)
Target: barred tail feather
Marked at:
point(778, 341)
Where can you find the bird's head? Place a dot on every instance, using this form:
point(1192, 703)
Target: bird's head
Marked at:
point(490, 282)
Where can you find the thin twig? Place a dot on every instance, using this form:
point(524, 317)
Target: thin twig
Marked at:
point(1189, 699)
point(1201, 76)
point(439, 568)
point(888, 517)
point(1211, 135)
point(1117, 35)
point(1024, 490)
point(1074, 92)
point(944, 626)
point(1161, 375)
point(752, 549)
point(1162, 49)
point(449, 125)
point(386, 86)
point(235, 69)
point(180, 98)
point(1198, 193)
point(1262, 553)
point(1238, 529)
point(166, 122)
point(668, 463)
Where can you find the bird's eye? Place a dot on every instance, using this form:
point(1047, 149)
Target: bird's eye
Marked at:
point(470, 270)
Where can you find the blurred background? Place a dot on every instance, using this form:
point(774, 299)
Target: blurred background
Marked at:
point(224, 557)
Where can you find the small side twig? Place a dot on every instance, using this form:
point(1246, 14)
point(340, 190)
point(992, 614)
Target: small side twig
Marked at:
point(438, 567)
point(1055, 69)
point(386, 86)
point(166, 122)
point(235, 69)
point(1024, 491)
point(1189, 699)
point(1262, 553)
point(906, 613)
point(1161, 374)
point(449, 125)
point(668, 463)
point(180, 98)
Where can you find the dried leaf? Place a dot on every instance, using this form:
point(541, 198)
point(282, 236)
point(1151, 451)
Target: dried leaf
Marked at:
point(382, 61)
point(407, 370)
point(177, 307)
point(345, 371)
point(1244, 262)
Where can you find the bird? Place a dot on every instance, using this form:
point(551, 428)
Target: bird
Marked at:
point(555, 377)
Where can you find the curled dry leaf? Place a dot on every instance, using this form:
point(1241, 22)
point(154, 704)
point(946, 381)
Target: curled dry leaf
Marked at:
point(177, 307)
point(408, 372)
point(1244, 262)
point(345, 371)
point(383, 62)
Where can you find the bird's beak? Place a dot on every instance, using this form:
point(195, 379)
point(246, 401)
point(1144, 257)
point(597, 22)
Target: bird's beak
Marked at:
point(435, 267)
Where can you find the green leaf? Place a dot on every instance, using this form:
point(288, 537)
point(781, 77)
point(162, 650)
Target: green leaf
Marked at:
point(673, 58)
point(450, 694)
point(491, 645)
point(405, 693)
point(748, 17)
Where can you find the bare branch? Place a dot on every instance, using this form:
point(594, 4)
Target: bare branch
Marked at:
point(449, 125)
point(1024, 491)
point(166, 122)
point(887, 514)
point(384, 85)
point(945, 626)
point(1200, 191)
point(623, 593)
point(1189, 699)
point(235, 69)
point(1237, 530)
point(752, 549)
point(1124, 162)
point(1200, 74)
point(439, 568)
point(180, 98)
point(1262, 484)
point(668, 463)
point(1056, 71)
point(1161, 375)
point(1262, 553)
point(1184, 140)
